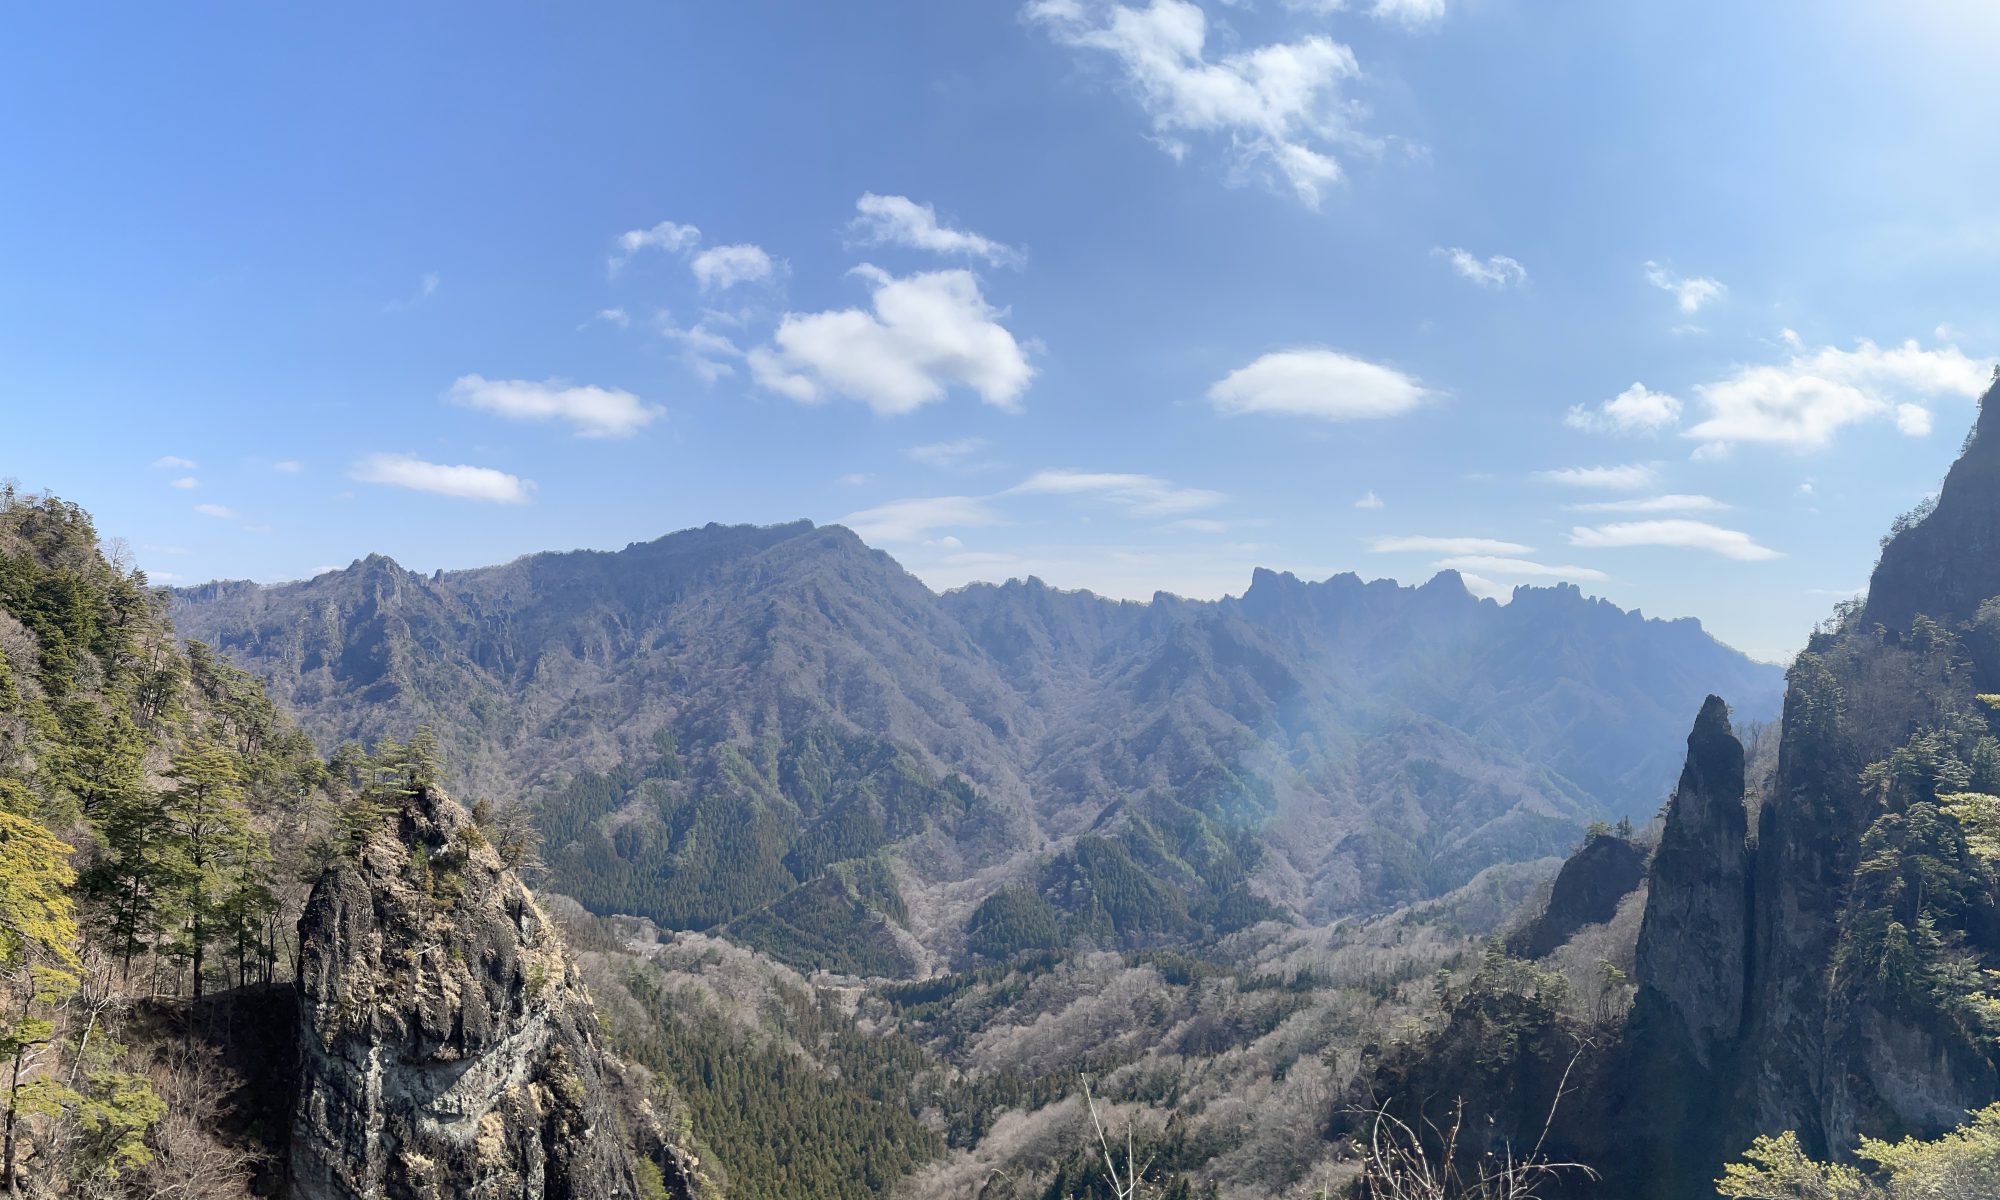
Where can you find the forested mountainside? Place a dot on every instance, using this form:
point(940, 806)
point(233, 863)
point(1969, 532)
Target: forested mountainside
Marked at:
point(229, 967)
point(1814, 966)
point(780, 732)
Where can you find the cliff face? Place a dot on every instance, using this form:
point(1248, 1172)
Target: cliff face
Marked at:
point(1823, 978)
point(446, 1047)
point(1945, 565)
point(1690, 962)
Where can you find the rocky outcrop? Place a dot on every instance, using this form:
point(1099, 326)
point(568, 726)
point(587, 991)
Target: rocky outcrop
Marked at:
point(1945, 563)
point(1694, 943)
point(446, 1046)
point(1587, 891)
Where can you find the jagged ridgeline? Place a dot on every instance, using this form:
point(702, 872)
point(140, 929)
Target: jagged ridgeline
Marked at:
point(162, 833)
point(1816, 970)
point(779, 734)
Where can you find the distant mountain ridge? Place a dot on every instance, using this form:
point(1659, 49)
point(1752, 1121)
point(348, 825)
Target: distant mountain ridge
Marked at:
point(748, 708)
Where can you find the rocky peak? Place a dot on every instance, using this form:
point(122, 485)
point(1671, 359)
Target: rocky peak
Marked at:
point(447, 1047)
point(1587, 891)
point(1946, 563)
point(1693, 944)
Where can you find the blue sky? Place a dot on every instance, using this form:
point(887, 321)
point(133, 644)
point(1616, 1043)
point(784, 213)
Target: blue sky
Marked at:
point(1681, 301)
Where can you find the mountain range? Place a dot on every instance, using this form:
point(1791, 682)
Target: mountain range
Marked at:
point(836, 764)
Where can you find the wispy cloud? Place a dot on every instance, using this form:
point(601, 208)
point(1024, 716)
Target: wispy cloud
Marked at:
point(901, 221)
point(1147, 495)
point(1519, 568)
point(1425, 544)
point(1684, 534)
point(1803, 402)
point(1323, 384)
point(288, 466)
point(1370, 500)
point(173, 462)
point(465, 482)
point(946, 454)
point(719, 268)
point(1653, 504)
point(924, 335)
point(1691, 294)
point(917, 520)
point(1630, 477)
point(218, 511)
point(1497, 271)
point(666, 237)
point(1637, 409)
point(703, 350)
point(186, 483)
point(426, 288)
point(592, 412)
point(1278, 108)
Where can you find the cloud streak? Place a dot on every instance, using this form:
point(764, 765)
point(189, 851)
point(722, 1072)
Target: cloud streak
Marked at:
point(464, 482)
point(591, 412)
point(1682, 534)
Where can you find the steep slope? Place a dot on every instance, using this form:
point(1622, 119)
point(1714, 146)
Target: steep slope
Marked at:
point(752, 708)
point(446, 1046)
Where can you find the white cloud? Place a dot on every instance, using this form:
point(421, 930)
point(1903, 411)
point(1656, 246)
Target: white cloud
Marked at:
point(946, 454)
point(1485, 588)
point(1199, 525)
point(1325, 384)
point(594, 412)
point(926, 334)
point(1408, 12)
point(1445, 545)
point(1519, 568)
point(1690, 535)
point(916, 520)
point(901, 221)
point(1637, 409)
point(666, 237)
point(1691, 294)
point(702, 349)
point(1653, 504)
point(1626, 478)
point(854, 479)
point(215, 510)
point(1147, 495)
point(721, 267)
point(288, 466)
point(1803, 402)
point(1278, 107)
point(1371, 500)
point(1498, 271)
point(467, 483)
point(173, 462)
point(611, 316)
point(186, 483)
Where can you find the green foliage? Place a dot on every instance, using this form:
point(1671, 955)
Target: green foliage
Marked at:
point(1964, 1164)
point(842, 1128)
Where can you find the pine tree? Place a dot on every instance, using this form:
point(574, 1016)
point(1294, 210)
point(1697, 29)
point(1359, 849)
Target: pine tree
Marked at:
point(38, 963)
point(210, 838)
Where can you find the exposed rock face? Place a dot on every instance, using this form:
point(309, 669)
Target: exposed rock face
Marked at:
point(1947, 564)
point(1693, 945)
point(446, 1046)
point(1692, 965)
point(1587, 892)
